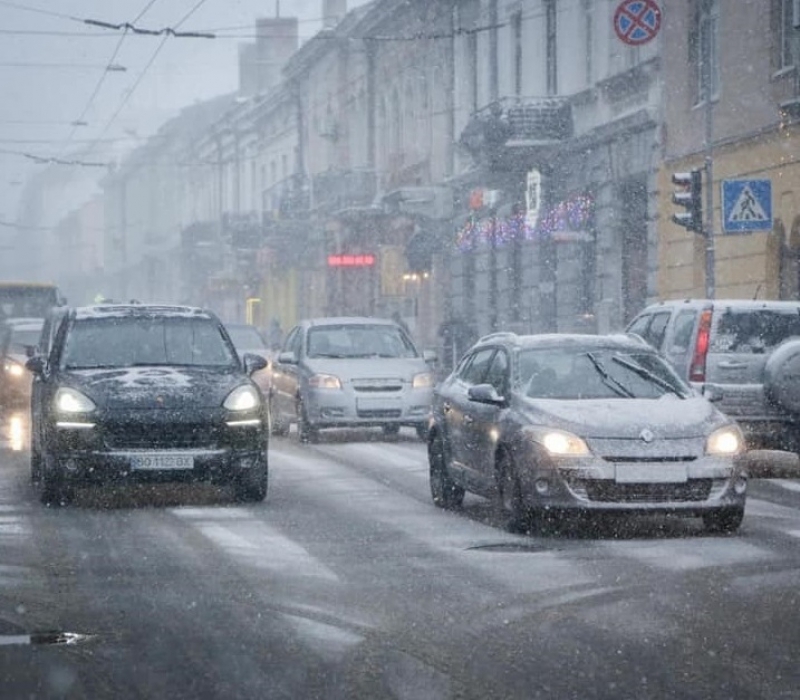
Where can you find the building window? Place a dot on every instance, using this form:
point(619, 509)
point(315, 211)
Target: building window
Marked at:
point(472, 63)
point(588, 32)
point(785, 32)
point(704, 45)
point(516, 43)
point(551, 47)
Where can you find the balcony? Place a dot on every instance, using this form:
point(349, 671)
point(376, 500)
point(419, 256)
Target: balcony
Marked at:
point(336, 190)
point(512, 125)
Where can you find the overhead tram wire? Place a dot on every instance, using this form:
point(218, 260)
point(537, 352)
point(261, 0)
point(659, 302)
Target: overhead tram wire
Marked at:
point(100, 82)
point(141, 76)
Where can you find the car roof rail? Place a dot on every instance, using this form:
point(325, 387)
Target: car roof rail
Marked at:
point(500, 335)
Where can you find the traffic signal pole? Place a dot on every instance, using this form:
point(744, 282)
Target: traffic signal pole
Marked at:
point(708, 228)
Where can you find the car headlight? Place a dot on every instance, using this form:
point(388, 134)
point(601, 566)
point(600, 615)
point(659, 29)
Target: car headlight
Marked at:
point(725, 441)
point(242, 398)
point(559, 443)
point(14, 369)
point(324, 381)
point(73, 401)
point(423, 380)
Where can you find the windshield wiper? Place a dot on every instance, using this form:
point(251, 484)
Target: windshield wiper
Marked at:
point(608, 380)
point(647, 374)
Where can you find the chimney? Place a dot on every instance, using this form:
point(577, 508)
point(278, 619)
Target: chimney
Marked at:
point(277, 38)
point(333, 11)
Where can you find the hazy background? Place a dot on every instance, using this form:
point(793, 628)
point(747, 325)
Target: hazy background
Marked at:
point(53, 75)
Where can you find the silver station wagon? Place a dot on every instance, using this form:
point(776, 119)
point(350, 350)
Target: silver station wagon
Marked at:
point(350, 372)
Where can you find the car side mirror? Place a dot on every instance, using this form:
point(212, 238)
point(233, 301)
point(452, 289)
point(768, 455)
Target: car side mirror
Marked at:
point(35, 364)
point(430, 356)
point(485, 393)
point(287, 358)
point(253, 362)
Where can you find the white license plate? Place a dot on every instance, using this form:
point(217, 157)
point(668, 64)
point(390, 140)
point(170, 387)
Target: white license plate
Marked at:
point(156, 461)
point(379, 403)
point(651, 473)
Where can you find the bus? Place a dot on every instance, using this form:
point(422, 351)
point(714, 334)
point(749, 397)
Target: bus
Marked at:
point(28, 299)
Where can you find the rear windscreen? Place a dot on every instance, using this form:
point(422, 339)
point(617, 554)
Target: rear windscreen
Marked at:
point(753, 330)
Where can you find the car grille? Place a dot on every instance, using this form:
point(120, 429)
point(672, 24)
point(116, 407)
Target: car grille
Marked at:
point(381, 413)
point(379, 384)
point(611, 492)
point(172, 436)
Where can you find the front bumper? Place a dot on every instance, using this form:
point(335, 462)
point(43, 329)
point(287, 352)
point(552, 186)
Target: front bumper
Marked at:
point(593, 484)
point(329, 408)
point(116, 450)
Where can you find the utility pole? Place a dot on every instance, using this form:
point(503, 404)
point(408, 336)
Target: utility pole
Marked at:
point(705, 38)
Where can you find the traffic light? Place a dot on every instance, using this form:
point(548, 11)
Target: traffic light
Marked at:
point(690, 196)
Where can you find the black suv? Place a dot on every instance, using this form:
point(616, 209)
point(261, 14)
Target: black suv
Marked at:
point(743, 354)
point(550, 423)
point(144, 392)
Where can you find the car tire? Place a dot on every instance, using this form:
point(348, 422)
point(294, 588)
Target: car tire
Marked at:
point(724, 520)
point(781, 374)
point(36, 465)
point(278, 426)
point(391, 430)
point(521, 518)
point(307, 432)
point(444, 491)
point(251, 485)
point(54, 489)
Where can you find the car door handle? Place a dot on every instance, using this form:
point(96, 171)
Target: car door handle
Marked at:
point(732, 365)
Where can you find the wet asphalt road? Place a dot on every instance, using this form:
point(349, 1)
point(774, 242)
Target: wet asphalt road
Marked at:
point(348, 583)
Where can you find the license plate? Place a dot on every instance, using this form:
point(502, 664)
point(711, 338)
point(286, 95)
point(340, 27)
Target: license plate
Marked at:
point(158, 461)
point(379, 403)
point(651, 474)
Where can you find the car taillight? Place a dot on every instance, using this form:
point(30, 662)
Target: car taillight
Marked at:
point(697, 370)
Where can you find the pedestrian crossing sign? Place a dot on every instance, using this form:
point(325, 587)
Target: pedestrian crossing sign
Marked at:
point(746, 205)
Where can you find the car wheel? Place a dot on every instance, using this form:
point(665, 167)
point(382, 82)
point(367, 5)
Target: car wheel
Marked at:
point(509, 492)
point(422, 431)
point(445, 492)
point(279, 426)
point(308, 433)
point(54, 489)
point(251, 486)
point(724, 519)
point(391, 430)
point(36, 465)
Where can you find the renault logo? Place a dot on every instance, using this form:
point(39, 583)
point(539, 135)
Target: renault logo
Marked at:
point(647, 435)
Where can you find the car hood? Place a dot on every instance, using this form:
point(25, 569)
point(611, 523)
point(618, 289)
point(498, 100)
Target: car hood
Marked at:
point(156, 387)
point(369, 368)
point(668, 416)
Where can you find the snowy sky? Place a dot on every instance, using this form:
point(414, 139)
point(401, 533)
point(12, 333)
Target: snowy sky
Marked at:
point(52, 69)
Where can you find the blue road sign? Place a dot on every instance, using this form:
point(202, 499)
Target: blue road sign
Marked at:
point(746, 205)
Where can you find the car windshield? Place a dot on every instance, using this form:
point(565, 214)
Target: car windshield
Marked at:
point(246, 338)
point(359, 340)
point(145, 341)
point(572, 374)
point(22, 339)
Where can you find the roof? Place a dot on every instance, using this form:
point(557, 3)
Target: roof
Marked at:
point(740, 303)
point(348, 320)
point(560, 340)
point(123, 310)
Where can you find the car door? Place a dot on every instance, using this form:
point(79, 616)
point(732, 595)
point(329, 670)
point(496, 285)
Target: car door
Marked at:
point(679, 343)
point(482, 423)
point(285, 376)
point(457, 410)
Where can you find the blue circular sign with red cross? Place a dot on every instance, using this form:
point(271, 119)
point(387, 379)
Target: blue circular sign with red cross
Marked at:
point(637, 21)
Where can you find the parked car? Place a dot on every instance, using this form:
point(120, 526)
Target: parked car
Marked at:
point(247, 339)
point(582, 423)
point(18, 340)
point(142, 392)
point(350, 372)
point(744, 355)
